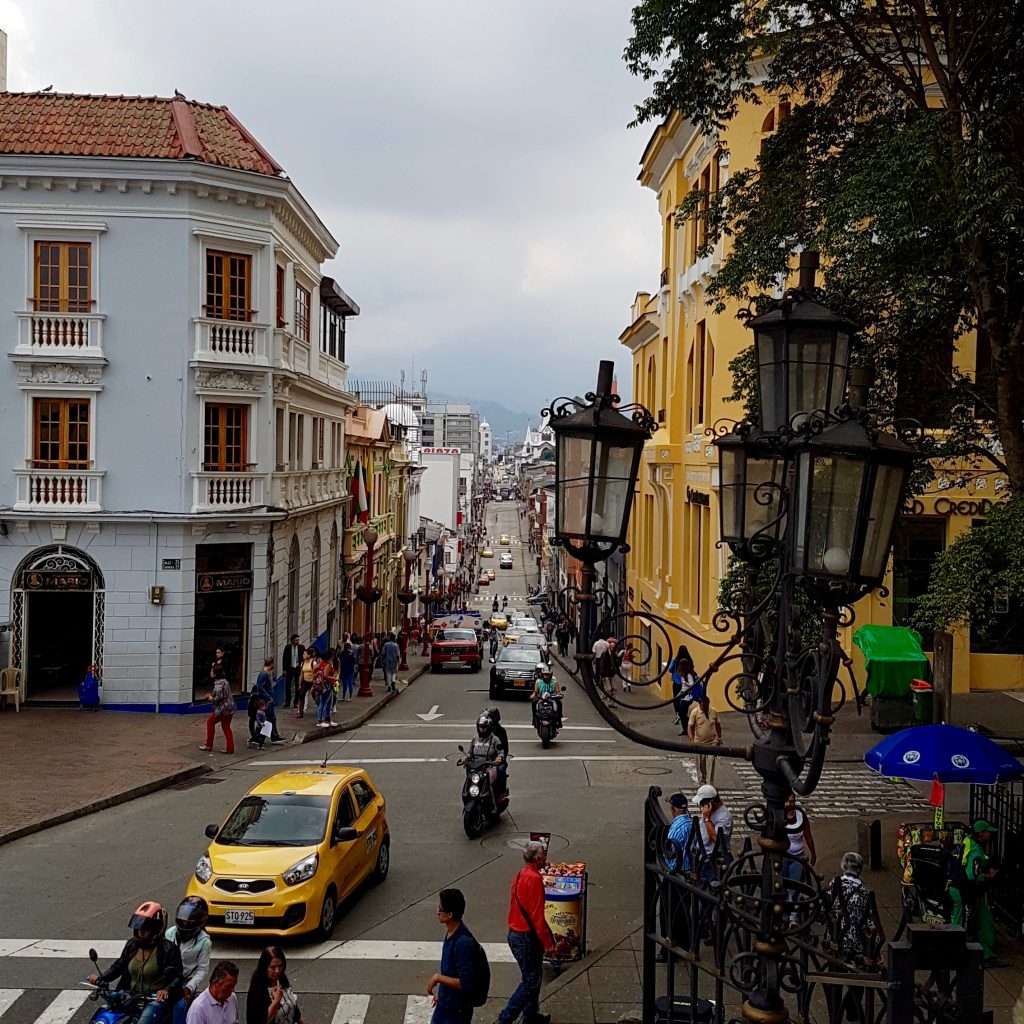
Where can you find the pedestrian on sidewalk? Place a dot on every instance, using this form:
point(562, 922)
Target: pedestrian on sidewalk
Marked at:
point(562, 637)
point(347, 671)
point(686, 686)
point(307, 676)
point(853, 927)
point(265, 690)
point(529, 938)
point(291, 663)
point(223, 709)
point(705, 729)
point(715, 829)
point(391, 658)
point(218, 1004)
point(608, 666)
point(677, 858)
point(327, 681)
point(271, 999)
point(453, 987)
point(802, 854)
point(968, 888)
point(259, 721)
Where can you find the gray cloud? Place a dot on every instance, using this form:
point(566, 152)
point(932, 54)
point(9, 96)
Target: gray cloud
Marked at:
point(471, 157)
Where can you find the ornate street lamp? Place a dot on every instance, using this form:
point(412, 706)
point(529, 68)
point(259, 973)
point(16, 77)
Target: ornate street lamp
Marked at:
point(406, 597)
point(597, 457)
point(803, 354)
point(369, 596)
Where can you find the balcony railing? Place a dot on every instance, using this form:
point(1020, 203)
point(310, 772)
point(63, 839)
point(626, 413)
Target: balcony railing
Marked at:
point(231, 341)
point(59, 490)
point(308, 487)
point(60, 333)
point(222, 492)
point(290, 352)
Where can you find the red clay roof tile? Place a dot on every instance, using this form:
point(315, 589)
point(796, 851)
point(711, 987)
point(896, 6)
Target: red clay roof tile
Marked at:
point(144, 127)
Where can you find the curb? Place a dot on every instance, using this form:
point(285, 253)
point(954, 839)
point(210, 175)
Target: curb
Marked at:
point(124, 797)
point(566, 976)
point(362, 718)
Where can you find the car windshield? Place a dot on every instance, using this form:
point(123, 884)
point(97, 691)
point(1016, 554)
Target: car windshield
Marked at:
point(456, 634)
point(520, 656)
point(277, 821)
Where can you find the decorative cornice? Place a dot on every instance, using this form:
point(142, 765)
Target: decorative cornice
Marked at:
point(58, 373)
point(227, 380)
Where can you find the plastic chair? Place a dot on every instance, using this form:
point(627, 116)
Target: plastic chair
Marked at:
point(10, 686)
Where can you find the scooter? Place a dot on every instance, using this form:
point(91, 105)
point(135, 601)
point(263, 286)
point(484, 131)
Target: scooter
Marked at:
point(121, 1008)
point(547, 717)
point(479, 802)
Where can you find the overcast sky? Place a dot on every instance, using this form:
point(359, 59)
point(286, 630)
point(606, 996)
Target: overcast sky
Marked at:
point(471, 157)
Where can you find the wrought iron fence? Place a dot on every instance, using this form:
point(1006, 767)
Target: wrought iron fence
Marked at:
point(719, 921)
point(1002, 806)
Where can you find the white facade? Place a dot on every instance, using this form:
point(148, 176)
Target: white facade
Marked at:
point(168, 391)
point(439, 488)
point(486, 442)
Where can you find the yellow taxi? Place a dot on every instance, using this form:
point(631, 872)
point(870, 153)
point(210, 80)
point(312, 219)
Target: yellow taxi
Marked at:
point(505, 540)
point(499, 620)
point(490, 574)
point(296, 845)
point(487, 553)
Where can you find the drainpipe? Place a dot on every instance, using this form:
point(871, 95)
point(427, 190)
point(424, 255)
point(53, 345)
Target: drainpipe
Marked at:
point(160, 619)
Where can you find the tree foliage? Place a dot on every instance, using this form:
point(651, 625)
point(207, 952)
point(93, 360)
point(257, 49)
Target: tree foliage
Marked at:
point(902, 161)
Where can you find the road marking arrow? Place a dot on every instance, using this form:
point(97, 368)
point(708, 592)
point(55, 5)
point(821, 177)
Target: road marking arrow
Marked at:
point(431, 714)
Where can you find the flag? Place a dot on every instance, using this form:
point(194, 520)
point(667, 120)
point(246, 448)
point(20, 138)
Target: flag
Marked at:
point(361, 498)
point(367, 492)
point(938, 794)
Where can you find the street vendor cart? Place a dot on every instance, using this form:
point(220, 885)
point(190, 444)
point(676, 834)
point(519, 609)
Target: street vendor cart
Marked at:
point(565, 910)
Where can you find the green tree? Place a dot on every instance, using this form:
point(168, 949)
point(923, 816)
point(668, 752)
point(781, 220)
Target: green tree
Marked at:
point(902, 161)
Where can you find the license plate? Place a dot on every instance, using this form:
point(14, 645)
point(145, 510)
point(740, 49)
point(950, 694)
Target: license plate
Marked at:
point(239, 917)
point(453, 657)
point(520, 682)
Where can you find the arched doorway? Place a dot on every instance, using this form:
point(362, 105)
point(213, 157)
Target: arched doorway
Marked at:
point(57, 622)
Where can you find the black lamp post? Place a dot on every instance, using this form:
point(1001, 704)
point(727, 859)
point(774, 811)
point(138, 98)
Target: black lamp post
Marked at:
point(814, 485)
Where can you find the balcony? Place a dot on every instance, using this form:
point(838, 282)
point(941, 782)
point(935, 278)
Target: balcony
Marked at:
point(226, 492)
point(308, 487)
point(60, 334)
point(59, 490)
point(291, 352)
point(231, 342)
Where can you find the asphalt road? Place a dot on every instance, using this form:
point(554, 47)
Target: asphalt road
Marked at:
point(75, 885)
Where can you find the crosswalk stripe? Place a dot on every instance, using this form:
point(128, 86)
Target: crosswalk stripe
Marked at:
point(418, 1010)
point(351, 1009)
point(8, 996)
point(63, 1008)
point(519, 759)
point(353, 949)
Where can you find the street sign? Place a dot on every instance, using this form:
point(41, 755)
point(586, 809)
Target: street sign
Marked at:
point(223, 582)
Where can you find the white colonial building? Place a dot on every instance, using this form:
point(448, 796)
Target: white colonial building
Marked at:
point(173, 465)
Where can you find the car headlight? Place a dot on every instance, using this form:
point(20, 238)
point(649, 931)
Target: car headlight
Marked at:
point(474, 777)
point(304, 870)
point(474, 790)
point(204, 869)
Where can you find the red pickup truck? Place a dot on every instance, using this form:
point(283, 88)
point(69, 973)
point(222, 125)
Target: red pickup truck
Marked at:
point(453, 648)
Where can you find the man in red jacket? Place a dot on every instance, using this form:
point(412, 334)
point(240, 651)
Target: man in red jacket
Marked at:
point(529, 938)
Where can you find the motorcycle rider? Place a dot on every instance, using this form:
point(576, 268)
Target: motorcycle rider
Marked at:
point(485, 746)
point(149, 964)
point(495, 643)
point(545, 686)
point(189, 935)
point(504, 602)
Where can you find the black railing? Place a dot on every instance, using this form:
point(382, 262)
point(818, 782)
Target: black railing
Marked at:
point(708, 915)
point(1002, 807)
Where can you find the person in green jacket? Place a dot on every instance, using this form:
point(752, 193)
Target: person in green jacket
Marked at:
point(971, 873)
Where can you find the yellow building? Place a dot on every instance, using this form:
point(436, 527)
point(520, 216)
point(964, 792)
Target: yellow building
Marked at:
point(681, 350)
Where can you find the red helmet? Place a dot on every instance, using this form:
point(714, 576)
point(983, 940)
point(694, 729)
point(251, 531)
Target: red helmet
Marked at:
point(149, 917)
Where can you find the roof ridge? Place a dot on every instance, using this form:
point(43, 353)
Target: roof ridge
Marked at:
point(185, 125)
point(112, 96)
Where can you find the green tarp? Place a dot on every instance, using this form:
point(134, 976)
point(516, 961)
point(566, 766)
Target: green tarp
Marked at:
point(893, 657)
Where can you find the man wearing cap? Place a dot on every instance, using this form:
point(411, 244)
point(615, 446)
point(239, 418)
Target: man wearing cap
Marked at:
point(715, 826)
point(967, 888)
point(679, 831)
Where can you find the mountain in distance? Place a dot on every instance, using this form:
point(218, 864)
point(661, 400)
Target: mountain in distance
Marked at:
point(501, 418)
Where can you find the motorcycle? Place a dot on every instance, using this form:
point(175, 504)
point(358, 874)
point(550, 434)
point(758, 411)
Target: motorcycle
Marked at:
point(121, 1008)
point(547, 717)
point(479, 802)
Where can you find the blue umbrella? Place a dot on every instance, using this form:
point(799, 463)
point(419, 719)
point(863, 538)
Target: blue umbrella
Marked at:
point(944, 752)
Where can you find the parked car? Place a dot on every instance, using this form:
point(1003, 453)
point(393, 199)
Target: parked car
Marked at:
point(454, 648)
point(515, 670)
point(294, 848)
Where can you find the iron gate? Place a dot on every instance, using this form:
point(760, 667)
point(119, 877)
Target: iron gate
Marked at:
point(1002, 806)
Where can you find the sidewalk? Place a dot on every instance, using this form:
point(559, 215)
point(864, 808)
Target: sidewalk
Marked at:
point(149, 752)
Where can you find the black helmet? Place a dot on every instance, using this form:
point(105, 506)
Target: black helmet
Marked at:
point(484, 726)
point(190, 917)
point(494, 715)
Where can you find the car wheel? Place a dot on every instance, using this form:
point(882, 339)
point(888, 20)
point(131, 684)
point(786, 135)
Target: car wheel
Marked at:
point(328, 914)
point(435, 668)
point(493, 692)
point(475, 667)
point(383, 865)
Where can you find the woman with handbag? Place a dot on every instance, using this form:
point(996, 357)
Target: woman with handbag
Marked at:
point(307, 676)
point(327, 680)
point(223, 709)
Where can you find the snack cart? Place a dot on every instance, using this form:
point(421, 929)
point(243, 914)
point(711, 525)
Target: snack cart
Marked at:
point(565, 910)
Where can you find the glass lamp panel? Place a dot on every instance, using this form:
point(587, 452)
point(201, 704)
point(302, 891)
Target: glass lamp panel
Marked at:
point(810, 369)
point(613, 485)
point(885, 507)
point(840, 368)
point(803, 472)
point(573, 457)
point(770, 346)
point(763, 498)
point(836, 482)
point(730, 462)
point(573, 499)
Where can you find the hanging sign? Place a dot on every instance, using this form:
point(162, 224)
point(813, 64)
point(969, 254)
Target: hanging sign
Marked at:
point(223, 582)
point(49, 580)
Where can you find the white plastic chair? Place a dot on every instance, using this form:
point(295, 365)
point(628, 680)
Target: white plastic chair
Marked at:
point(10, 686)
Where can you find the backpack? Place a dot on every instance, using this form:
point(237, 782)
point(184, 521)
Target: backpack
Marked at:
point(481, 976)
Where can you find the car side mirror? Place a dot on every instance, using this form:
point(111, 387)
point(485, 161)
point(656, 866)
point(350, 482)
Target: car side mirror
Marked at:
point(344, 835)
point(462, 749)
point(94, 956)
point(211, 831)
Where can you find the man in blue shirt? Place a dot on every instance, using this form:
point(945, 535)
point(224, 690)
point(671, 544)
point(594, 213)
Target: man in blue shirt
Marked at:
point(450, 987)
point(679, 831)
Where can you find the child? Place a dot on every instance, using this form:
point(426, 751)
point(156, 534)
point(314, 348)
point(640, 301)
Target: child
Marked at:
point(89, 691)
point(260, 721)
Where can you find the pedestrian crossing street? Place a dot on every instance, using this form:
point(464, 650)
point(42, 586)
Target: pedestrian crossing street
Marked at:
point(73, 1006)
